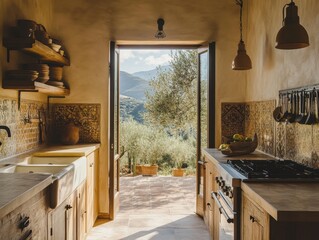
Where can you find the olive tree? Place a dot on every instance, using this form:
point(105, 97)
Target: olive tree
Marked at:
point(172, 101)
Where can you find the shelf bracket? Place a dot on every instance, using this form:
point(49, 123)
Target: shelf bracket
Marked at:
point(19, 96)
point(48, 102)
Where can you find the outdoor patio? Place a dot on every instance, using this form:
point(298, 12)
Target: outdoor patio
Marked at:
point(156, 208)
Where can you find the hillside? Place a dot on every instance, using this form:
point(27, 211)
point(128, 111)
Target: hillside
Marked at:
point(131, 108)
point(133, 86)
point(149, 75)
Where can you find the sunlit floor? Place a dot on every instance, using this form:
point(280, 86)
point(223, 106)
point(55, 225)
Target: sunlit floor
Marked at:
point(156, 208)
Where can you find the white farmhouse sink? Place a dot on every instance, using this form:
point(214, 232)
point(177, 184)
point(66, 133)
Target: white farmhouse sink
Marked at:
point(62, 175)
point(67, 172)
point(79, 164)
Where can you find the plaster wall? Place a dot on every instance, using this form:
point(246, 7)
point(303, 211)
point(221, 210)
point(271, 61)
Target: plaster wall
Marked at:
point(275, 69)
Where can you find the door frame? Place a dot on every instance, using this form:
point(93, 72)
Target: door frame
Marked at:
point(211, 114)
point(210, 104)
point(113, 157)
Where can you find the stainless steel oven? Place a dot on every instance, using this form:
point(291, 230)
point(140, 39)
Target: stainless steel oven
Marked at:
point(227, 199)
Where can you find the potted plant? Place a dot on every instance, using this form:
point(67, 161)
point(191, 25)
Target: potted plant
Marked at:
point(152, 150)
point(181, 153)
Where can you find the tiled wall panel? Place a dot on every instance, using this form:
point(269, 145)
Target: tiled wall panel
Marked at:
point(85, 116)
point(25, 136)
point(293, 141)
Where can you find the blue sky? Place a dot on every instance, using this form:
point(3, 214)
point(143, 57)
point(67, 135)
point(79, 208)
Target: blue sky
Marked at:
point(132, 61)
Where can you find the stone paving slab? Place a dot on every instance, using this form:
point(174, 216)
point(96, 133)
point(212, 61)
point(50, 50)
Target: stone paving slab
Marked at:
point(154, 208)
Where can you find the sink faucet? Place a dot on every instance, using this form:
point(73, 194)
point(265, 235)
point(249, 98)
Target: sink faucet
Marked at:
point(7, 129)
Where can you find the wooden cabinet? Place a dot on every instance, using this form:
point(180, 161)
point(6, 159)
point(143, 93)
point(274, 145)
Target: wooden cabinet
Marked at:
point(29, 221)
point(92, 188)
point(62, 220)
point(211, 212)
point(81, 211)
point(255, 221)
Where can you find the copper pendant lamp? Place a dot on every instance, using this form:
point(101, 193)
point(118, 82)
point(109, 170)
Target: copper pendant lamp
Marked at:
point(242, 60)
point(292, 35)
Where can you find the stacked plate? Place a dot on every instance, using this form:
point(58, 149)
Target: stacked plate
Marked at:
point(25, 75)
point(55, 73)
point(43, 70)
point(59, 84)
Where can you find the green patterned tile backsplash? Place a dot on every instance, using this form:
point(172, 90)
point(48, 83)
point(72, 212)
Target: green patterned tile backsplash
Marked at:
point(284, 140)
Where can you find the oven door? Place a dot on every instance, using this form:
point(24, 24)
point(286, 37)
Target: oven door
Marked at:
point(227, 216)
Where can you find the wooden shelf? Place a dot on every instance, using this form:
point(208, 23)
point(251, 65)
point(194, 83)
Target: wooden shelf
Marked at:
point(37, 48)
point(32, 85)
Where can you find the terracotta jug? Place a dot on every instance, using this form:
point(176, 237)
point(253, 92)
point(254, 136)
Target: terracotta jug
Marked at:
point(70, 135)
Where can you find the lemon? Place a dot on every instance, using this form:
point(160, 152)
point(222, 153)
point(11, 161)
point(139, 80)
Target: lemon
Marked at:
point(238, 137)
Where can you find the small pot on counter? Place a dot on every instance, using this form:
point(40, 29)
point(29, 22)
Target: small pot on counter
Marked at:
point(70, 134)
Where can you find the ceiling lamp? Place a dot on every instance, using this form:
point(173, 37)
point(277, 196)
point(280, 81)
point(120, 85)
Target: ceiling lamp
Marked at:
point(292, 35)
point(242, 60)
point(160, 32)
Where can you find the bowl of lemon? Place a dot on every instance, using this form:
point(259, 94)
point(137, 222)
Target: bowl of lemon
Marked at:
point(238, 145)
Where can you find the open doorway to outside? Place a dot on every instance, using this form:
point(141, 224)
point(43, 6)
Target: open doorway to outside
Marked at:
point(158, 112)
point(159, 121)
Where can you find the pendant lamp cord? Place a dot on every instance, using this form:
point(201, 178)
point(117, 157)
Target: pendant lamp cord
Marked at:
point(240, 3)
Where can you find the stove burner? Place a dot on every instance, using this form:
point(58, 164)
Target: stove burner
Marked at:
point(273, 169)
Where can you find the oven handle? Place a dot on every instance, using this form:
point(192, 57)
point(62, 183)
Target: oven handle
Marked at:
point(221, 208)
point(221, 194)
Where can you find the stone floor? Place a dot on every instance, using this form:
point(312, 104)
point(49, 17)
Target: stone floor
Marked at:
point(154, 208)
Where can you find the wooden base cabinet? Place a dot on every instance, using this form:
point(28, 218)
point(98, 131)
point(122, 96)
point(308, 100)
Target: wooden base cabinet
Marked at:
point(92, 189)
point(28, 221)
point(257, 224)
point(62, 220)
point(255, 221)
point(211, 212)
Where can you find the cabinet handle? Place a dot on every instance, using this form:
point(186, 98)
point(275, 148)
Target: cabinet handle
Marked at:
point(67, 207)
point(27, 236)
point(252, 219)
point(24, 222)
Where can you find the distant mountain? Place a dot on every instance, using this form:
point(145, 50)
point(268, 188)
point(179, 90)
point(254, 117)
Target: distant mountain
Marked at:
point(131, 108)
point(149, 75)
point(133, 86)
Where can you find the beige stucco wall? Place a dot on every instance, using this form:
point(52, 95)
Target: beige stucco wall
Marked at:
point(276, 69)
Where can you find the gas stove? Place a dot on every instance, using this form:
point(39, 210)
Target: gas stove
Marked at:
point(274, 170)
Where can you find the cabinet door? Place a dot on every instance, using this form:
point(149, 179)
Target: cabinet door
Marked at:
point(254, 221)
point(92, 189)
point(62, 220)
point(81, 212)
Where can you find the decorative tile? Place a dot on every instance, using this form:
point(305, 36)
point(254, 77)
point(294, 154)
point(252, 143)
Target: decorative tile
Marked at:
point(24, 135)
point(233, 118)
point(85, 116)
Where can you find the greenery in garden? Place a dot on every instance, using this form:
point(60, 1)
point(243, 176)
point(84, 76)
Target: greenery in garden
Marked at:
point(167, 134)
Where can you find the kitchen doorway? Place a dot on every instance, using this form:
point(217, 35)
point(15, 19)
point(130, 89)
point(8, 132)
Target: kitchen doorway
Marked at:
point(146, 111)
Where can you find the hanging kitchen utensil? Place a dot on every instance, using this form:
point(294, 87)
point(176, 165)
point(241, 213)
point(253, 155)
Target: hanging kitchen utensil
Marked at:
point(305, 106)
point(299, 103)
point(286, 115)
point(278, 112)
point(311, 119)
point(292, 115)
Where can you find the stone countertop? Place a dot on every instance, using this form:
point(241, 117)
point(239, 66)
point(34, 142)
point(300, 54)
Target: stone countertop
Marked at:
point(78, 150)
point(17, 188)
point(218, 157)
point(286, 201)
